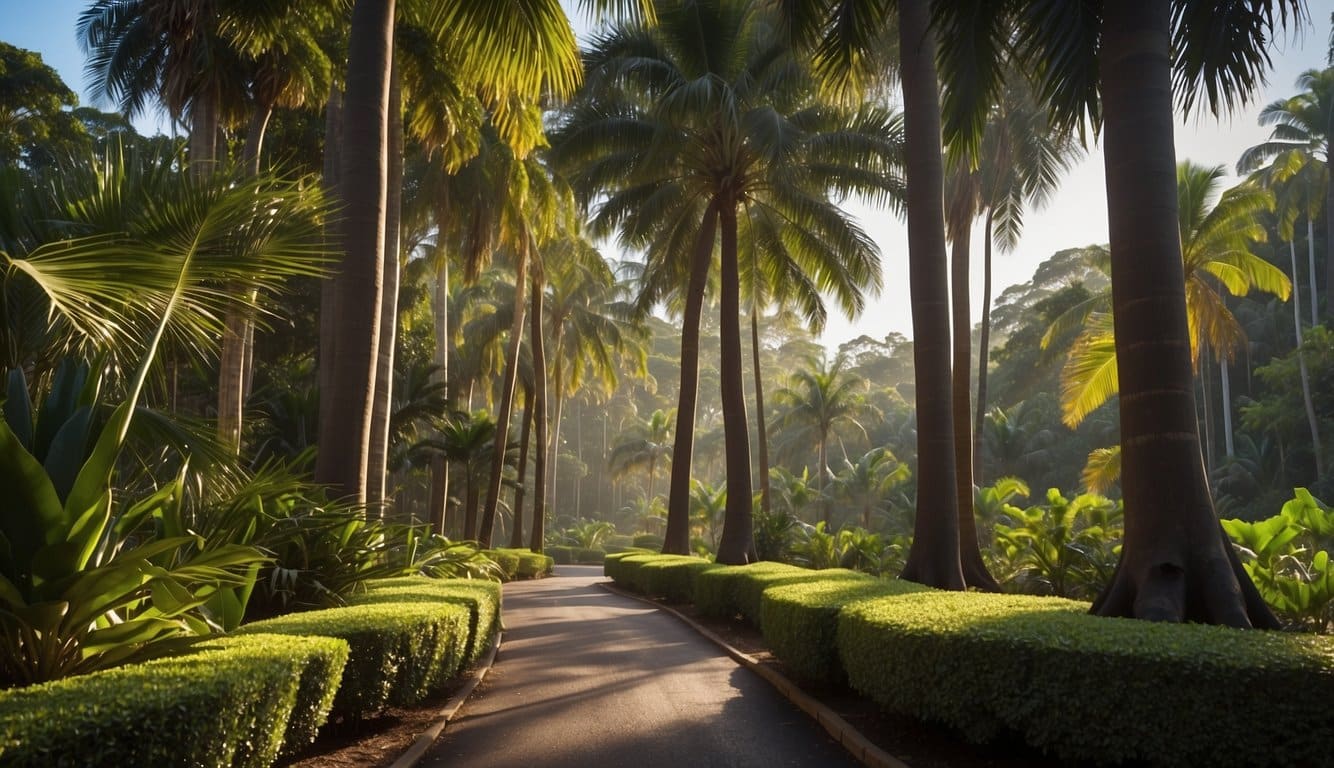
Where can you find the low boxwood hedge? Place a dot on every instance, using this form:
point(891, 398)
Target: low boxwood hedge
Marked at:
point(1093, 689)
point(799, 621)
point(224, 702)
point(482, 598)
point(736, 589)
point(616, 565)
point(651, 541)
point(564, 555)
point(521, 563)
point(400, 652)
point(671, 577)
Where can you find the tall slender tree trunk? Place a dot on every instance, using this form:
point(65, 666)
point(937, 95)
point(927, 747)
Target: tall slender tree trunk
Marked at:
point(1310, 259)
point(984, 342)
point(238, 326)
point(975, 572)
point(1302, 371)
point(345, 437)
point(1329, 229)
point(737, 545)
point(1226, 396)
point(525, 432)
point(1208, 420)
point(537, 342)
point(934, 556)
point(328, 322)
point(1176, 564)
point(557, 402)
point(506, 407)
point(440, 311)
point(203, 142)
point(676, 538)
point(377, 461)
point(761, 428)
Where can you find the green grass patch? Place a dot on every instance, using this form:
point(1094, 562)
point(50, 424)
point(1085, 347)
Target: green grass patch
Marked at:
point(400, 651)
point(1091, 689)
point(226, 702)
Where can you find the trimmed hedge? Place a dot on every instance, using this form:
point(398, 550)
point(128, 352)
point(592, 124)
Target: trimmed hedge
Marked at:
point(563, 555)
point(799, 621)
point(736, 589)
point(1088, 688)
point(521, 563)
point(671, 577)
point(400, 652)
point(616, 565)
point(228, 701)
point(482, 599)
point(647, 541)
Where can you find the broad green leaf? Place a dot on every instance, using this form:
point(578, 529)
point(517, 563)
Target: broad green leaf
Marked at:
point(63, 399)
point(91, 487)
point(31, 516)
point(131, 632)
point(65, 455)
point(18, 408)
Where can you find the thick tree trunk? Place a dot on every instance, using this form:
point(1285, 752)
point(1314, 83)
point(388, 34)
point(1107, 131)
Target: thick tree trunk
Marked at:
point(676, 539)
point(377, 461)
point(762, 428)
point(238, 324)
point(1176, 563)
point(506, 407)
point(525, 432)
point(328, 346)
point(975, 572)
point(934, 556)
point(737, 546)
point(345, 438)
point(536, 342)
point(984, 342)
point(1302, 372)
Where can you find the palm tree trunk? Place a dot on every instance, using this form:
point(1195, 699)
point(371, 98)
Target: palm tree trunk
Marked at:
point(506, 407)
point(1175, 563)
point(737, 546)
point(203, 135)
point(975, 572)
point(345, 437)
point(537, 343)
point(1208, 420)
point(328, 343)
point(1329, 228)
point(525, 432)
point(558, 403)
point(440, 311)
point(238, 325)
point(676, 539)
point(377, 460)
point(934, 556)
point(1226, 396)
point(1301, 367)
point(984, 342)
point(1310, 259)
point(759, 407)
point(822, 472)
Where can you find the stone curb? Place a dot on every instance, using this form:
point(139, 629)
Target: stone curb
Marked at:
point(414, 754)
point(839, 729)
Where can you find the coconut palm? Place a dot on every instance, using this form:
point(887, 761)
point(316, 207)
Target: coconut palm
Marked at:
point(867, 483)
point(693, 131)
point(643, 446)
point(819, 402)
point(1216, 243)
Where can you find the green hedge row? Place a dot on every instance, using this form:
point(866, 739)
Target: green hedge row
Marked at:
point(564, 555)
point(225, 702)
point(481, 598)
point(1086, 689)
point(400, 651)
point(521, 563)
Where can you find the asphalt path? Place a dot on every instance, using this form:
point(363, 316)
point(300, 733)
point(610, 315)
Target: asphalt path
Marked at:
point(589, 678)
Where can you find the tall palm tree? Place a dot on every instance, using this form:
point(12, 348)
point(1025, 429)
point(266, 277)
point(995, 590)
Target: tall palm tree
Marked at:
point(703, 122)
point(867, 482)
point(1115, 62)
point(643, 446)
point(1216, 242)
point(1299, 144)
point(821, 400)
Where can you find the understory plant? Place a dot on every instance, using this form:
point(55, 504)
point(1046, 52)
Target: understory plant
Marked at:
point(1063, 547)
point(1288, 558)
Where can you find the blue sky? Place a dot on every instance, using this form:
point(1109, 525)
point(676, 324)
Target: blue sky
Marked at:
point(1077, 216)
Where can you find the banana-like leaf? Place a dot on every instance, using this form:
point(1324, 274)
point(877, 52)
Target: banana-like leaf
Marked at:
point(32, 516)
point(68, 389)
point(132, 632)
point(18, 408)
point(65, 455)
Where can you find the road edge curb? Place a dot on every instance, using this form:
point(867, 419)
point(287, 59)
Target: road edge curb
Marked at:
point(853, 740)
point(427, 738)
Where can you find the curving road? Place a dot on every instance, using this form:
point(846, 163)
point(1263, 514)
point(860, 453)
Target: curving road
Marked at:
point(589, 678)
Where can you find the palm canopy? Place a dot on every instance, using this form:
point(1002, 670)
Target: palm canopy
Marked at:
point(1300, 123)
point(821, 399)
point(1216, 241)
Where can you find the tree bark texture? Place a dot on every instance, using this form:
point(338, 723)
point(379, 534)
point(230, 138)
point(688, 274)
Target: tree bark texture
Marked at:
point(1176, 563)
point(506, 407)
point(525, 433)
point(377, 461)
point(676, 539)
point(934, 557)
point(536, 341)
point(984, 342)
point(345, 437)
point(737, 546)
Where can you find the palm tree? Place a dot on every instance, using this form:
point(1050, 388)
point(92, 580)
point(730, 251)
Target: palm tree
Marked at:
point(1115, 61)
point(1216, 244)
point(1299, 146)
point(465, 440)
point(867, 482)
point(717, 132)
point(642, 446)
point(819, 401)
point(708, 505)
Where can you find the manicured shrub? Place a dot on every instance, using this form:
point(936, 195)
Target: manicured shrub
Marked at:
point(400, 652)
point(562, 554)
point(482, 599)
point(751, 586)
point(225, 702)
point(671, 577)
point(647, 541)
point(521, 563)
point(616, 565)
point(507, 559)
point(1094, 689)
point(799, 620)
point(736, 589)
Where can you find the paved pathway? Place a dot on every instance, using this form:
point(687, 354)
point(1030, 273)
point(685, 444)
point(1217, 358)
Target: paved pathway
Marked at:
point(588, 678)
